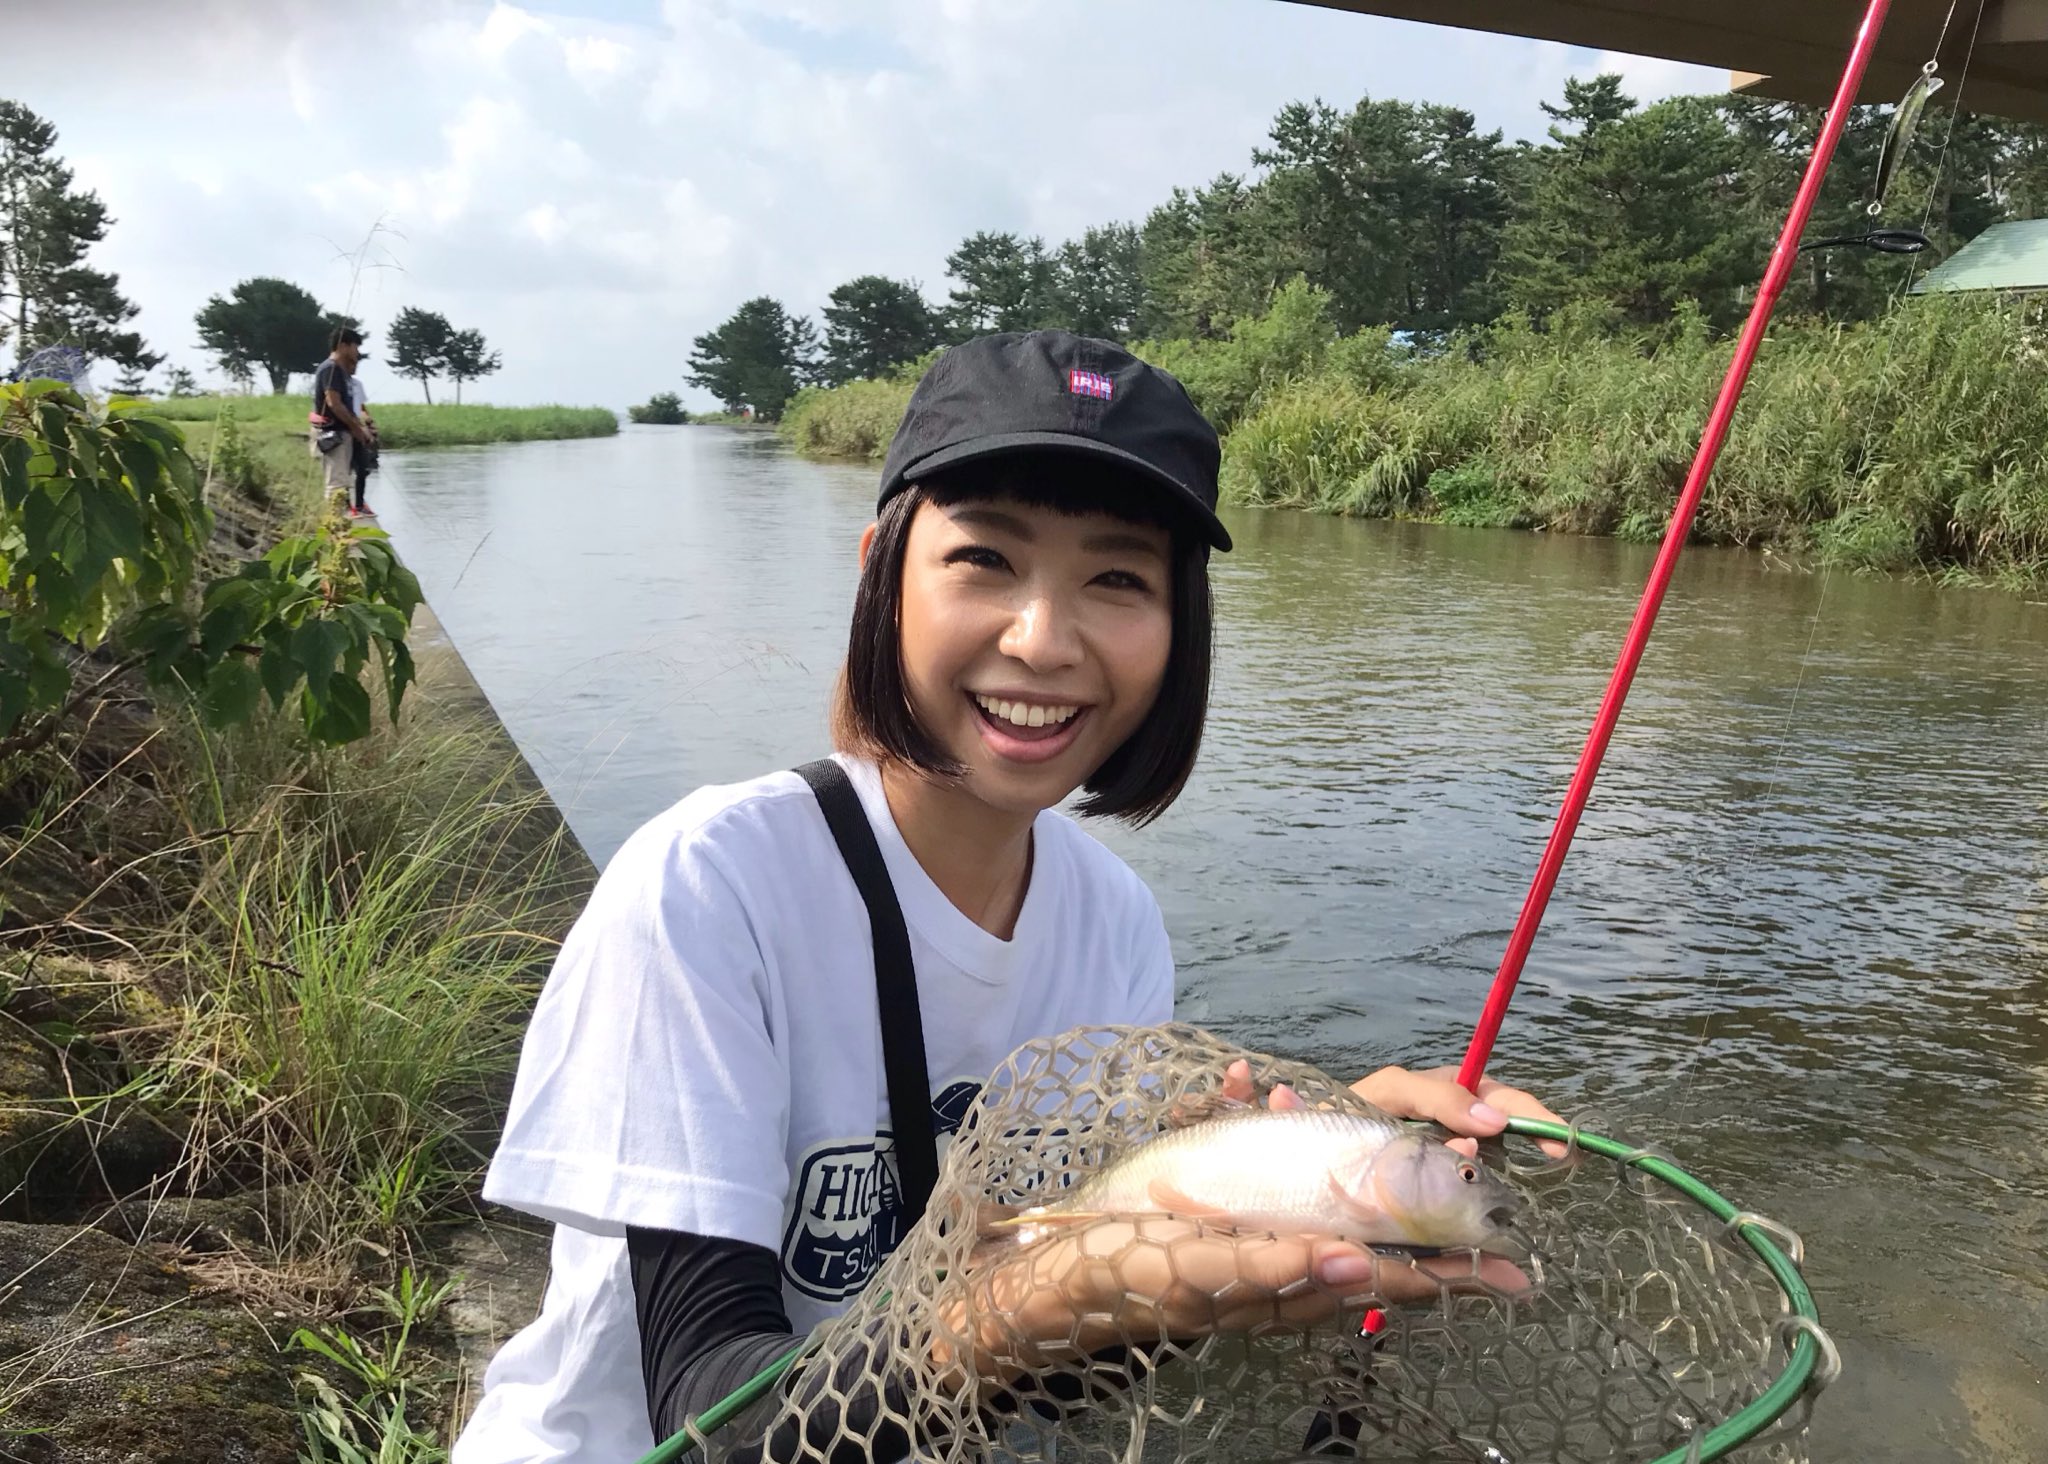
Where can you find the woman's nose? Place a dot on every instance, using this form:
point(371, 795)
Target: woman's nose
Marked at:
point(1042, 634)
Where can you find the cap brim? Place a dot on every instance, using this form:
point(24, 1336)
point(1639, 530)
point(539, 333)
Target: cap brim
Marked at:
point(1182, 496)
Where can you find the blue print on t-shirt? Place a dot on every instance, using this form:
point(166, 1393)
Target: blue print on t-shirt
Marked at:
point(848, 1214)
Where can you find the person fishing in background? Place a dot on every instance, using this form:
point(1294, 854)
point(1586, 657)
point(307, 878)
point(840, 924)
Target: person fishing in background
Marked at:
point(364, 454)
point(335, 431)
point(715, 1107)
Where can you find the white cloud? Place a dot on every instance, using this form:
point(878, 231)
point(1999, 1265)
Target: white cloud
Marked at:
point(592, 191)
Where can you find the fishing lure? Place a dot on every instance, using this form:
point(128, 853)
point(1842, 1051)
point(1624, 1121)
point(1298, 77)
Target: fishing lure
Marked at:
point(1899, 136)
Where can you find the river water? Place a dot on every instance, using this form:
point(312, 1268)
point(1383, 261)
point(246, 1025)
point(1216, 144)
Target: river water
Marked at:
point(1801, 943)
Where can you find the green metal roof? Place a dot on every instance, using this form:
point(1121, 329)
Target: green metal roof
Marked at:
point(2010, 256)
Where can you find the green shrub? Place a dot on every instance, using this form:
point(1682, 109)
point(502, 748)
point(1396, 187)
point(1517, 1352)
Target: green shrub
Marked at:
point(856, 420)
point(663, 409)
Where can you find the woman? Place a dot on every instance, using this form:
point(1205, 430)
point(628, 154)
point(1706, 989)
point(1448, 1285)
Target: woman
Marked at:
point(702, 1106)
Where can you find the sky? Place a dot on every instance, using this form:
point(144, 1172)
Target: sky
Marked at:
point(592, 183)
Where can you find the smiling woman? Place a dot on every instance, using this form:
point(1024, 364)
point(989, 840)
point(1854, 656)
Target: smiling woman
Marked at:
point(784, 991)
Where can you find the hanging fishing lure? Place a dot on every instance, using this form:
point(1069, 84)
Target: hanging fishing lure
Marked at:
point(1898, 138)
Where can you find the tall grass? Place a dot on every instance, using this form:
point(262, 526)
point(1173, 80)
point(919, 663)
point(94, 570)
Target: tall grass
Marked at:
point(1917, 442)
point(851, 421)
point(407, 424)
point(354, 963)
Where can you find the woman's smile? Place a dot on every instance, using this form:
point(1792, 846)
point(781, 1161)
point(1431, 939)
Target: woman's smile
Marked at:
point(1026, 730)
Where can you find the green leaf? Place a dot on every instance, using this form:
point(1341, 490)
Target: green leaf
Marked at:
point(230, 613)
point(316, 646)
point(14, 483)
point(112, 522)
point(232, 690)
point(49, 678)
point(278, 671)
point(342, 714)
point(143, 469)
point(398, 675)
point(387, 621)
point(54, 526)
point(159, 633)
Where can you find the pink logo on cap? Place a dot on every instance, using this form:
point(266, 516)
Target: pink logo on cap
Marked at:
point(1090, 384)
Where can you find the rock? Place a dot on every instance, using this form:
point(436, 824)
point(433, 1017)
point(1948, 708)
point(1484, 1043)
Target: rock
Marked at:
point(193, 1226)
point(110, 1354)
point(503, 1270)
point(68, 1142)
point(31, 1089)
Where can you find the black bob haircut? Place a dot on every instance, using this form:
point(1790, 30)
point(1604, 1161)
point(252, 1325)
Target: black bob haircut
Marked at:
point(344, 335)
point(871, 713)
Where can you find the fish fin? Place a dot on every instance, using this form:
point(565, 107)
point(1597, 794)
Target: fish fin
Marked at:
point(1175, 1202)
point(998, 1226)
point(1194, 1108)
point(1349, 1203)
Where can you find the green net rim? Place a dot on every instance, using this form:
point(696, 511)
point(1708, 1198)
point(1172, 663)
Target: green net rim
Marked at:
point(1792, 1383)
point(1731, 1433)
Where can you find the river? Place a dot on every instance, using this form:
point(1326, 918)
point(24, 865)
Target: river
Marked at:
point(1801, 943)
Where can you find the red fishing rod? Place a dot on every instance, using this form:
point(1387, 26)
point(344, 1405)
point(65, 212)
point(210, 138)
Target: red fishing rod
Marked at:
point(1581, 788)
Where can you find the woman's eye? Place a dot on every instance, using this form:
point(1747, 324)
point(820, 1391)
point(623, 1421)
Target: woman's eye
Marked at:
point(978, 556)
point(1124, 579)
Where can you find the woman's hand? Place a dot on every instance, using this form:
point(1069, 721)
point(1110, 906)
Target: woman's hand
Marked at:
point(1141, 1280)
point(1433, 1095)
point(1436, 1096)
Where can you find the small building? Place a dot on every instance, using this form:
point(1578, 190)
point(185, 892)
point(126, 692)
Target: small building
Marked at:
point(2011, 257)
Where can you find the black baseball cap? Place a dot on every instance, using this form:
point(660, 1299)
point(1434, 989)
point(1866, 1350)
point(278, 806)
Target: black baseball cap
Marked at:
point(1052, 390)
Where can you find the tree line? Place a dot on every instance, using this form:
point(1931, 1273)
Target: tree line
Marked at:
point(50, 295)
point(1408, 216)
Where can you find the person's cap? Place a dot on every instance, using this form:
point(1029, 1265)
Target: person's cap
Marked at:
point(1051, 390)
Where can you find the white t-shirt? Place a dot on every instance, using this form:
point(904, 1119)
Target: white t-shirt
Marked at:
point(707, 1057)
point(357, 395)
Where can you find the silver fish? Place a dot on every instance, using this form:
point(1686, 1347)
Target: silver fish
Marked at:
point(1898, 138)
point(1363, 1178)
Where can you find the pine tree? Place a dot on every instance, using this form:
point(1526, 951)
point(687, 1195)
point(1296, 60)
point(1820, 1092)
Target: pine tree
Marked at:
point(48, 294)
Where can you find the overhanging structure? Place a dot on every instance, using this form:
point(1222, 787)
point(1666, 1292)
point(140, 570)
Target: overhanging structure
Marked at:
point(1788, 49)
point(2011, 257)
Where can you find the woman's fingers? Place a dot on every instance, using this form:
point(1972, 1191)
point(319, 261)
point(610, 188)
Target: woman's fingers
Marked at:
point(1183, 1278)
point(1239, 1087)
point(1237, 1082)
point(1436, 1096)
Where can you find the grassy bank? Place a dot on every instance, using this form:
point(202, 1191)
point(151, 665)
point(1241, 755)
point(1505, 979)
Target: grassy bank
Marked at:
point(1917, 443)
point(408, 424)
point(851, 421)
point(261, 1001)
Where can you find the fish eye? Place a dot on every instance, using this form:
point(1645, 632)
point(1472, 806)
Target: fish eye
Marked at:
point(1469, 1172)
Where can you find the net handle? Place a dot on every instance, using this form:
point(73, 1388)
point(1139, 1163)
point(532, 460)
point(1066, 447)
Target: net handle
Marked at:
point(1731, 1433)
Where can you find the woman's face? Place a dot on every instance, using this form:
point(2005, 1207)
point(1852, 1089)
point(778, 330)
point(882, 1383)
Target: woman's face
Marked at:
point(1033, 642)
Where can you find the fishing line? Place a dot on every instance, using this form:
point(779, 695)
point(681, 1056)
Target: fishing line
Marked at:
point(1687, 1075)
point(1746, 858)
point(1948, 136)
point(1715, 434)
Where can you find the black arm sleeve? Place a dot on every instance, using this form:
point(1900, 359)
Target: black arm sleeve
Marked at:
point(711, 1317)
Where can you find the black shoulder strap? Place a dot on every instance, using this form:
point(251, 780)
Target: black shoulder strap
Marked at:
point(910, 1084)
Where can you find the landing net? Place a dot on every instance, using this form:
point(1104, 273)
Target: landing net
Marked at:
point(1652, 1328)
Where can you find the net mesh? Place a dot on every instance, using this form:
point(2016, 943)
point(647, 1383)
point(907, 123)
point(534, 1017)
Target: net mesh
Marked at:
point(1636, 1324)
